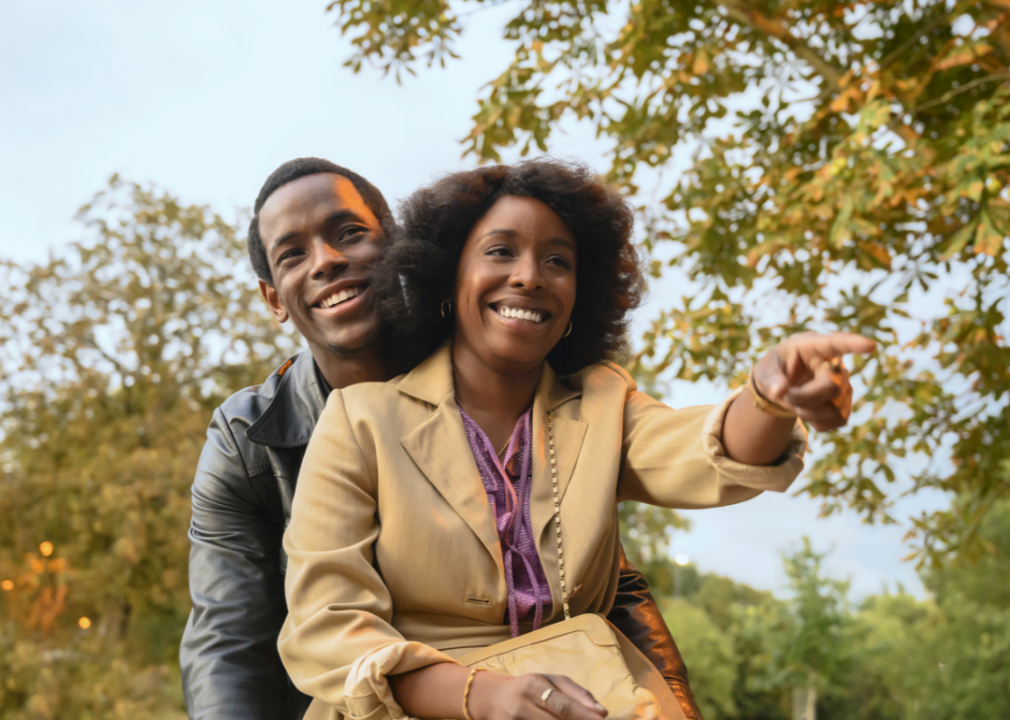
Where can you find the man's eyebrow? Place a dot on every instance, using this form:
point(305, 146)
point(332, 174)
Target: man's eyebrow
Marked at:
point(336, 218)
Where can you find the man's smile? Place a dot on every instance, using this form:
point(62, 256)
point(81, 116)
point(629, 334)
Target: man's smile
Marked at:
point(341, 296)
point(340, 299)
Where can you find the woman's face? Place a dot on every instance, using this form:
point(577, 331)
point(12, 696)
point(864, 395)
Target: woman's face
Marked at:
point(515, 286)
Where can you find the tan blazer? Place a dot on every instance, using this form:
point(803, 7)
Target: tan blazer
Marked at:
point(394, 561)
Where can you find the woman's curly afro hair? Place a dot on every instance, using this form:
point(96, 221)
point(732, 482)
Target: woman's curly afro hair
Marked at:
point(419, 271)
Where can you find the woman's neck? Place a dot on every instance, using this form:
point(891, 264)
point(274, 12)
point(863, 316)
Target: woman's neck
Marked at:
point(495, 400)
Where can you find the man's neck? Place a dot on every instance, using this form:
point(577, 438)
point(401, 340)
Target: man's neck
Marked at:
point(341, 369)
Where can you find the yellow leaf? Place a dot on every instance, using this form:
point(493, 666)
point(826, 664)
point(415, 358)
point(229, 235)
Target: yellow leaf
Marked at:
point(964, 56)
point(700, 65)
point(879, 253)
point(988, 240)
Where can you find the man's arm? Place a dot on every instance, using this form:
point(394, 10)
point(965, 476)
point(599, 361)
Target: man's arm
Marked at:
point(229, 660)
point(635, 614)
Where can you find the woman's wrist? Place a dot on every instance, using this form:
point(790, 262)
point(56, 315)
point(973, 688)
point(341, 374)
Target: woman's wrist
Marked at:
point(482, 692)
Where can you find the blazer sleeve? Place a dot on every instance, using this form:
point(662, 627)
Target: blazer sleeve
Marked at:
point(228, 657)
point(338, 643)
point(676, 458)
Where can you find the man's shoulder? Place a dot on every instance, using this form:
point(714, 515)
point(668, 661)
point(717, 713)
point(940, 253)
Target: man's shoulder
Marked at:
point(252, 402)
point(278, 413)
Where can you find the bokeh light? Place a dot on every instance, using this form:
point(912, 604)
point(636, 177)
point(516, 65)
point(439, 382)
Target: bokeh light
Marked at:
point(46, 549)
point(681, 559)
point(7, 585)
point(84, 622)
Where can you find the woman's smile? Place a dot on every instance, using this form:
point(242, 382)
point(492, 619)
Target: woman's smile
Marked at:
point(515, 315)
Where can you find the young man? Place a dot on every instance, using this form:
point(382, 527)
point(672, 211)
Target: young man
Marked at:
point(316, 231)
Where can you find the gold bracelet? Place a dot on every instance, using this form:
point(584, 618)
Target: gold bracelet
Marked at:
point(767, 406)
point(466, 692)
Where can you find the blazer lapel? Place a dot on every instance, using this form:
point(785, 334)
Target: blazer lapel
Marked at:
point(568, 437)
point(439, 448)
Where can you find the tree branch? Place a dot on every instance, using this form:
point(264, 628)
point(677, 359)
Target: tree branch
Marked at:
point(896, 54)
point(773, 28)
point(964, 88)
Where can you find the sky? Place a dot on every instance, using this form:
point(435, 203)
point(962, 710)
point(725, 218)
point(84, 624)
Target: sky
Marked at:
point(206, 99)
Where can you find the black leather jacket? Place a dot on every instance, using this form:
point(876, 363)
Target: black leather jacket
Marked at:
point(241, 504)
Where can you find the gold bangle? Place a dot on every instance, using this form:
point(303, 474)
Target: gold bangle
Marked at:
point(767, 406)
point(466, 692)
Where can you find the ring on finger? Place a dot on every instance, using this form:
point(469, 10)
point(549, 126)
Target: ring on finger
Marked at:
point(835, 364)
point(547, 694)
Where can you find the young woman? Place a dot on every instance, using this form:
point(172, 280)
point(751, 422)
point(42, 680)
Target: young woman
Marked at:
point(422, 524)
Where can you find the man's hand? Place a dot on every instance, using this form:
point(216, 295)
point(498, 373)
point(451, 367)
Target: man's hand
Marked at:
point(805, 374)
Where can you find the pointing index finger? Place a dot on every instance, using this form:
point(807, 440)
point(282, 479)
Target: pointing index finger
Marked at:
point(835, 344)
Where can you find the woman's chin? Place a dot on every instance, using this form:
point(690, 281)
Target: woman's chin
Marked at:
point(515, 358)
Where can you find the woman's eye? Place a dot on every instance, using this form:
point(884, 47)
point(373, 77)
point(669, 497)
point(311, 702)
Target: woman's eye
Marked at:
point(560, 262)
point(499, 251)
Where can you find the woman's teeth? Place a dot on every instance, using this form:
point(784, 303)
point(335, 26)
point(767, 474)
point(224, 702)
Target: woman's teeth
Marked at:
point(533, 316)
point(339, 297)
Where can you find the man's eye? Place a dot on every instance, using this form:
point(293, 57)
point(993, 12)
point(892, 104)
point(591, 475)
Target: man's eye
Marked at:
point(289, 255)
point(352, 231)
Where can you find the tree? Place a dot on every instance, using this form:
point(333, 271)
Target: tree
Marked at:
point(713, 663)
point(849, 168)
point(804, 640)
point(115, 353)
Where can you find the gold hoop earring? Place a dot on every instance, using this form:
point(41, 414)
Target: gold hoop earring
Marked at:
point(446, 308)
point(569, 330)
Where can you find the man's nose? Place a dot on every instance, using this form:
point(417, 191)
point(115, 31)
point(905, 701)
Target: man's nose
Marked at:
point(526, 273)
point(326, 259)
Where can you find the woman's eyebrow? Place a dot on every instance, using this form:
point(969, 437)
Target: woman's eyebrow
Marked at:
point(500, 231)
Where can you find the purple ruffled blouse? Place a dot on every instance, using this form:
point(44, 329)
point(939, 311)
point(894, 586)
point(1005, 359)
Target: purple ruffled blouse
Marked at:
point(508, 482)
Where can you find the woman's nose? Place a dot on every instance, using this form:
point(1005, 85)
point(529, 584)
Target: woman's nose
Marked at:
point(526, 273)
point(326, 259)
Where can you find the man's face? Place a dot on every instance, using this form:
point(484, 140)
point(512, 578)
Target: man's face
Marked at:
point(321, 241)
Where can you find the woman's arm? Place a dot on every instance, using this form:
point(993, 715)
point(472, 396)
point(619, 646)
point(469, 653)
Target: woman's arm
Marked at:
point(437, 691)
point(798, 376)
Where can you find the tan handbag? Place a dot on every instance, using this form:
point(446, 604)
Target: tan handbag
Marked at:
point(587, 648)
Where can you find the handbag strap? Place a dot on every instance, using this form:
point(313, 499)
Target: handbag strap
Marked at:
point(557, 512)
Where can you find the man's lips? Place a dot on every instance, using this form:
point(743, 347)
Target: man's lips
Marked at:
point(339, 297)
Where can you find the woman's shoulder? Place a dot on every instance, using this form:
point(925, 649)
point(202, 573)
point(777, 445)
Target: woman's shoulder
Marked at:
point(371, 396)
point(601, 377)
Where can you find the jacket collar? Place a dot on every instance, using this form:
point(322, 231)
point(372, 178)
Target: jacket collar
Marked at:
point(440, 449)
point(296, 398)
point(431, 381)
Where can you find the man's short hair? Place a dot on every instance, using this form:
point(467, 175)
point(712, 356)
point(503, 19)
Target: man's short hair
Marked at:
point(293, 170)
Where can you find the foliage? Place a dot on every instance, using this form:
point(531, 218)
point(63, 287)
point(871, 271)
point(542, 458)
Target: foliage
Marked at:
point(115, 353)
point(712, 670)
point(849, 167)
point(891, 657)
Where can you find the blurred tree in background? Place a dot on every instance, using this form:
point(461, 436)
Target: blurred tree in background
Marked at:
point(892, 656)
point(115, 353)
point(848, 167)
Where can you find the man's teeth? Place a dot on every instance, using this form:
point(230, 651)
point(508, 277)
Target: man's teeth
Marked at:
point(534, 316)
point(339, 297)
